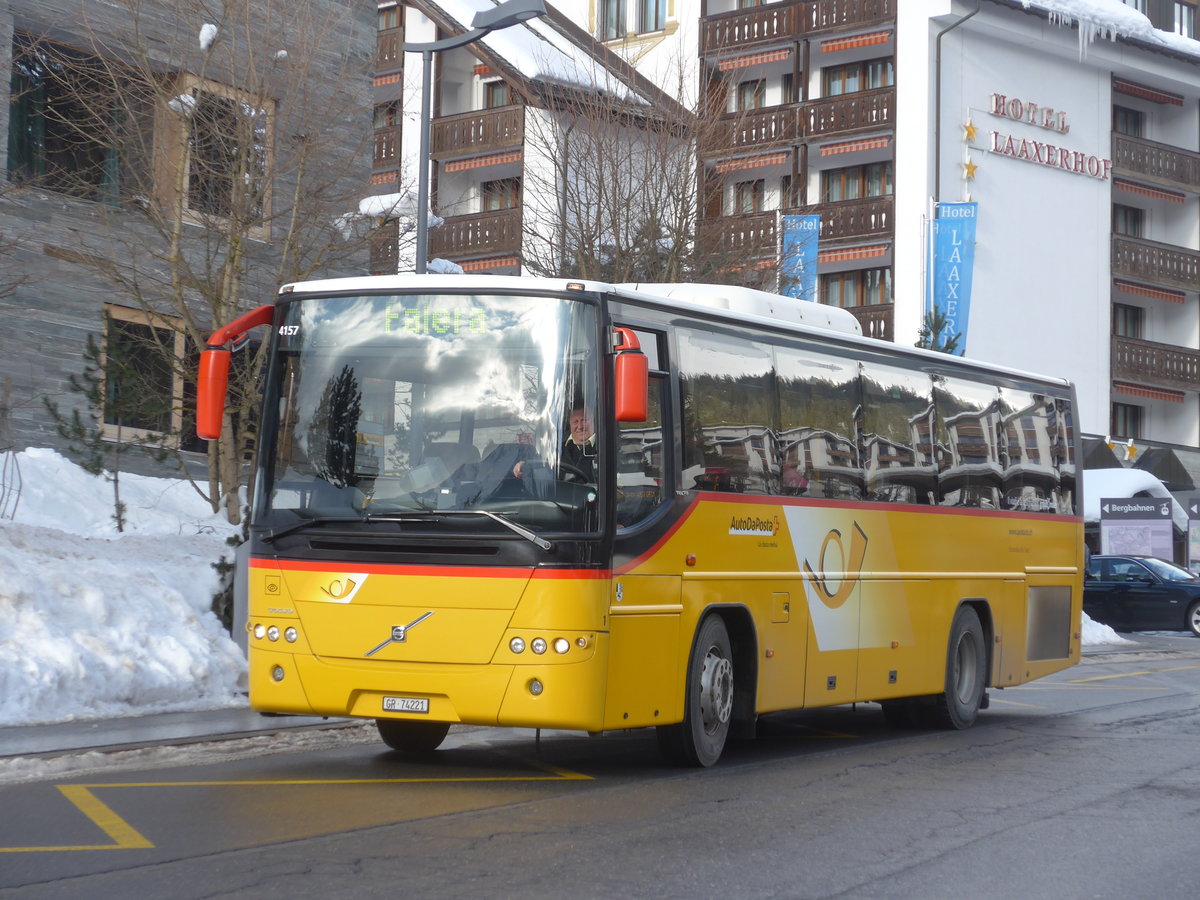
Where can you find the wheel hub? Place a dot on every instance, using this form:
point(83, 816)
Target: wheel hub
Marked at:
point(716, 691)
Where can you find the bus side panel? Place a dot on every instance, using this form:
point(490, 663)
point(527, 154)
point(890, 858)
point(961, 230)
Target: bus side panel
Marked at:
point(644, 665)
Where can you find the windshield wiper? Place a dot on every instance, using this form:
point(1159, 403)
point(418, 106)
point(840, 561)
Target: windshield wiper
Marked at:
point(413, 516)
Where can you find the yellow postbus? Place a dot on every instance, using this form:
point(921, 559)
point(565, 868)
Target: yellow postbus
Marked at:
point(769, 512)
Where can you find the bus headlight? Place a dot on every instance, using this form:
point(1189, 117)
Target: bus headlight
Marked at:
point(260, 631)
point(561, 645)
point(273, 633)
point(517, 645)
point(291, 635)
point(538, 645)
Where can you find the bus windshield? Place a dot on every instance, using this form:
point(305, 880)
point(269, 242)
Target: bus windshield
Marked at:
point(423, 407)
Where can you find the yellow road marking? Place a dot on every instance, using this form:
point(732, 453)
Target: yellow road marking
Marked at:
point(126, 837)
point(1131, 674)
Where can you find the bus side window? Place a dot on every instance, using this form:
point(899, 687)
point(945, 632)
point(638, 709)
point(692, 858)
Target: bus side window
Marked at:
point(817, 450)
point(898, 435)
point(728, 412)
point(968, 428)
point(641, 466)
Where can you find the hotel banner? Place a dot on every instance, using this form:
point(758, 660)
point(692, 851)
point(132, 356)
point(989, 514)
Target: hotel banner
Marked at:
point(798, 256)
point(953, 260)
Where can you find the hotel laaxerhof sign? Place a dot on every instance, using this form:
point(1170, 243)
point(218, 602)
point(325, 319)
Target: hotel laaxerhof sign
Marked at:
point(1044, 153)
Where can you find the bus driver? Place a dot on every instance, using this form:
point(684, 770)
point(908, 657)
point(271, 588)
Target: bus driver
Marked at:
point(578, 459)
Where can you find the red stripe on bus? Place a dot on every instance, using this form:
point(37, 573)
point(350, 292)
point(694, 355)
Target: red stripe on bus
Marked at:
point(426, 571)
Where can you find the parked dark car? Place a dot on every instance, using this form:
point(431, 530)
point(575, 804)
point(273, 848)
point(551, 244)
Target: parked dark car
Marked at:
point(1141, 593)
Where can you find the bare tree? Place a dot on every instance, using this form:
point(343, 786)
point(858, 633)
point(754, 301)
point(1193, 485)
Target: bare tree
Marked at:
point(224, 144)
point(620, 194)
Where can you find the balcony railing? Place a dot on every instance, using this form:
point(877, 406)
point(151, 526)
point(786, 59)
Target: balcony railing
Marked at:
point(850, 219)
point(789, 124)
point(1159, 163)
point(483, 131)
point(479, 234)
point(747, 28)
point(387, 144)
point(389, 50)
point(754, 235)
point(777, 22)
point(761, 129)
point(876, 321)
point(1160, 264)
point(850, 112)
point(1164, 365)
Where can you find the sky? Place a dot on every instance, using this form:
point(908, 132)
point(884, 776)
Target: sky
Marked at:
point(99, 624)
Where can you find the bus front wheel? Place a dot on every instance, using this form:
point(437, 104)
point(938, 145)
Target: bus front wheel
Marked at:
point(966, 674)
point(708, 703)
point(407, 736)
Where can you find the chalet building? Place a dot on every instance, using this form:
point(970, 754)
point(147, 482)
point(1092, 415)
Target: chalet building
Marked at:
point(1068, 133)
point(162, 173)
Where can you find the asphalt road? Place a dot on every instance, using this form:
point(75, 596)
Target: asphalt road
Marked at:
point(1086, 784)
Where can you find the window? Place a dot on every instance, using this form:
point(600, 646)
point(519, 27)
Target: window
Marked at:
point(62, 121)
point(728, 412)
point(652, 15)
point(1185, 19)
point(1127, 321)
point(787, 88)
point(750, 94)
point(143, 390)
point(1129, 220)
point(748, 4)
point(853, 182)
point(504, 193)
point(748, 196)
point(817, 441)
point(226, 154)
point(1127, 420)
point(495, 93)
point(858, 76)
point(860, 287)
point(389, 18)
point(1139, 5)
point(1128, 121)
point(611, 15)
point(897, 435)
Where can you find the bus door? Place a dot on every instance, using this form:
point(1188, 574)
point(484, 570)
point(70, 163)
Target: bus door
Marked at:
point(644, 606)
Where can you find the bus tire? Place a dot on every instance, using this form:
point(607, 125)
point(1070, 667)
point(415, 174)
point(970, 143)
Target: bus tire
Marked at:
point(407, 736)
point(966, 674)
point(708, 701)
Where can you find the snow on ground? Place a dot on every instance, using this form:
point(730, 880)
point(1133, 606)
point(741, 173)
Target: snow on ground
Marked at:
point(96, 624)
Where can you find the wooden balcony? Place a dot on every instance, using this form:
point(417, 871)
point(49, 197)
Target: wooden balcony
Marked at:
point(876, 321)
point(1153, 263)
point(1163, 365)
point(771, 23)
point(482, 131)
point(853, 219)
point(1161, 164)
point(387, 145)
point(479, 234)
point(838, 15)
point(754, 235)
point(389, 50)
point(774, 23)
point(849, 113)
point(760, 129)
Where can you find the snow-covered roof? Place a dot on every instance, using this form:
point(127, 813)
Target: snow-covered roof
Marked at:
point(1111, 19)
point(542, 52)
point(1101, 483)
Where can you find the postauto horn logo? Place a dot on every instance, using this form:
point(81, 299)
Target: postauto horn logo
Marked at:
point(844, 566)
point(754, 525)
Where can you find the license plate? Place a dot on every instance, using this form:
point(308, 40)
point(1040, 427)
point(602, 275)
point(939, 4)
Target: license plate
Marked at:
point(406, 704)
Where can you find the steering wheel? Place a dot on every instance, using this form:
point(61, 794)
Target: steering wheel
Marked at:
point(569, 469)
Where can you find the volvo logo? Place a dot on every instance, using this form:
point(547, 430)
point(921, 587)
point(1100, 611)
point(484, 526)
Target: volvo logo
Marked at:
point(399, 633)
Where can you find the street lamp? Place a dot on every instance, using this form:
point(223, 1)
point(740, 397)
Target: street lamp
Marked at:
point(502, 15)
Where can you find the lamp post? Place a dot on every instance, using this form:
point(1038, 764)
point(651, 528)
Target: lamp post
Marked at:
point(510, 12)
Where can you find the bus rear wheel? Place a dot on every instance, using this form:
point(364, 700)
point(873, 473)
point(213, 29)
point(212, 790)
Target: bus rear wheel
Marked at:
point(407, 736)
point(708, 705)
point(966, 674)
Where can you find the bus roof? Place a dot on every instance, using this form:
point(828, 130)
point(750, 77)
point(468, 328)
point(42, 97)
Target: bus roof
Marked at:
point(755, 307)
